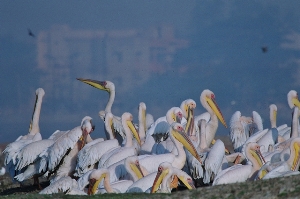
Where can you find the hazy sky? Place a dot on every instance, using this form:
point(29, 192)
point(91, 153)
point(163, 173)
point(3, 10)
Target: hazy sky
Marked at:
point(224, 55)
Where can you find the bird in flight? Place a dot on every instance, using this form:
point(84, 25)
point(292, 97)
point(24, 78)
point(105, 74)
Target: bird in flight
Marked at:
point(264, 49)
point(30, 33)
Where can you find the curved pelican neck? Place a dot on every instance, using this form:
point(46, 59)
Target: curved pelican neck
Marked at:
point(129, 142)
point(112, 94)
point(36, 116)
point(295, 122)
point(180, 158)
point(106, 183)
point(272, 117)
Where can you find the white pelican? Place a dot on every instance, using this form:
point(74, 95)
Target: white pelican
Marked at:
point(96, 177)
point(240, 173)
point(271, 137)
point(13, 148)
point(65, 185)
point(294, 131)
point(89, 156)
point(293, 100)
point(168, 176)
point(207, 99)
point(239, 130)
point(110, 88)
point(60, 158)
point(158, 132)
point(150, 163)
point(279, 168)
point(128, 149)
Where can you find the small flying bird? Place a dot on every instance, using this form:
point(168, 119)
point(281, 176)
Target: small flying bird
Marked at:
point(30, 33)
point(264, 49)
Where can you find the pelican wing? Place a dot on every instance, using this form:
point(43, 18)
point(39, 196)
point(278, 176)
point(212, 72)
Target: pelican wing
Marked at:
point(92, 152)
point(29, 153)
point(64, 185)
point(237, 131)
point(257, 120)
point(152, 162)
point(233, 174)
point(57, 134)
point(61, 147)
point(122, 153)
point(214, 160)
point(117, 124)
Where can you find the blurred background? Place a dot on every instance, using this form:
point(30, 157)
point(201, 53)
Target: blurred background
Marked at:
point(157, 52)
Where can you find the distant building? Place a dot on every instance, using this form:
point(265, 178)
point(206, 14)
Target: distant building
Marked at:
point(125, 57)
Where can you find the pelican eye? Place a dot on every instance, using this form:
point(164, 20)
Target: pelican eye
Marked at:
point(159, 168)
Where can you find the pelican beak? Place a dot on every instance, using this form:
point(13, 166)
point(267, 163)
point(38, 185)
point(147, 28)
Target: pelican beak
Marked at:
point(275, 115)
point(134, 131)
point(158, 179)
point(97, 84)
point(214, 106)
point(186, 142)
point(30, 125)
point(93, 185)
point(262, 174)
point(295, 164)
point(296, 102)
point(190, 121)
point(137, 170)
point(187, 182)
point(258, 156)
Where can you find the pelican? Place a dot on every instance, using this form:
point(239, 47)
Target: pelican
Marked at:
point(271, 137)
point(293, 100)
point(294, 131)
point(207, 99)
point(116, 187)
point(158, 132)
point(12, 149)
point(60, 158)
point(89, 156)
point(28, 159)
point(242, 127)
point(128, 149)
point(279, 168)
point(109, 87)
point(240, 173)
point(150, 163)
point(65, 185)
point(168, 176)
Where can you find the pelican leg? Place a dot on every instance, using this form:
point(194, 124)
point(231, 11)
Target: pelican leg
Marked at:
point(37, 182)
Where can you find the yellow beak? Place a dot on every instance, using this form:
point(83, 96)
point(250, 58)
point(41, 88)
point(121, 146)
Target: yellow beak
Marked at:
point(134, 132)
point(216, 110)
point(97, 84)
point(186, 142)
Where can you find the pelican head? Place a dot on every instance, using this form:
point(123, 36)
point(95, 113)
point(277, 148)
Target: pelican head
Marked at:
point(132, 163)
point(188, 106)
point(293, 100)
point(177, 132)
point(254, 152)
point(295, 153)
point(102, 85)
point(87, 127)
point(95, 178)
point(207, 99)
point(165, 173)
point(127, 117)
point(174, 114)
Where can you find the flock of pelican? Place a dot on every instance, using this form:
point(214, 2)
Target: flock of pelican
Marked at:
point(176, 150)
